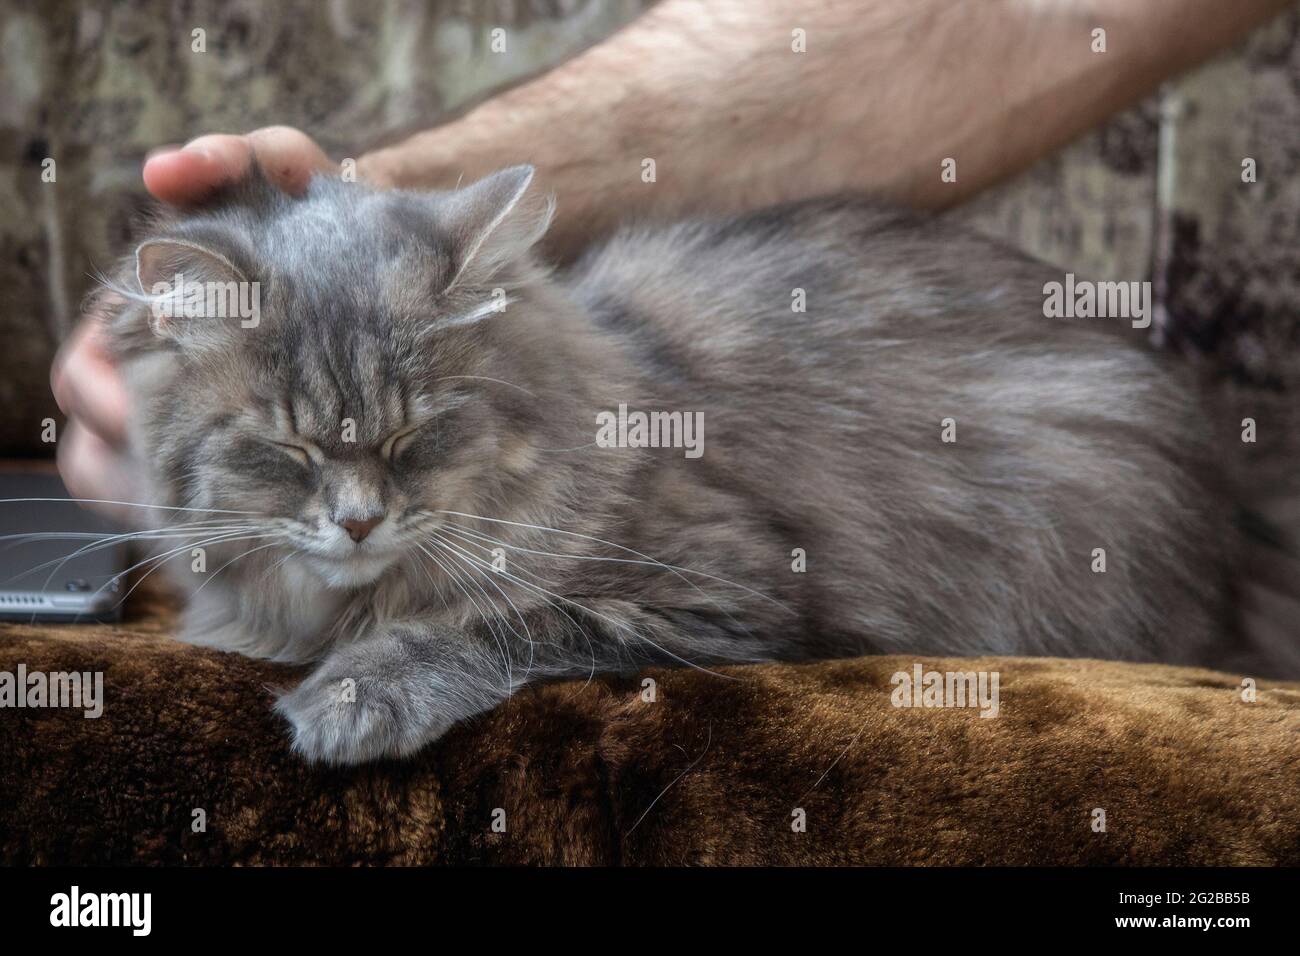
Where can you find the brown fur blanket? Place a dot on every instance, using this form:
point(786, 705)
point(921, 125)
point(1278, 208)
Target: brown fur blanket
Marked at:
point(712, 771)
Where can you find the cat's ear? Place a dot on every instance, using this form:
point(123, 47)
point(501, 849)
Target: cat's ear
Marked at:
point(184, 281)
point(490, 223)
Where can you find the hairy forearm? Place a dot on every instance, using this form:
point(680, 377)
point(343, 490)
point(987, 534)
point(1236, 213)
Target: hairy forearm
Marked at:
point(712, 91)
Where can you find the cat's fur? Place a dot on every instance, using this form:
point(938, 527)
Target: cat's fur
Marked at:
point(823, 438)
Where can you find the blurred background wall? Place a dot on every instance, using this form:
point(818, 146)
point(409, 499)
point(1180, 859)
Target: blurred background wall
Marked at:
point(95, 85)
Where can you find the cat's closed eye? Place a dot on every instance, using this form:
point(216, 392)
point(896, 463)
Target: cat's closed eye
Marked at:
point(397, 442)
point(305, 453)
point(302, 453)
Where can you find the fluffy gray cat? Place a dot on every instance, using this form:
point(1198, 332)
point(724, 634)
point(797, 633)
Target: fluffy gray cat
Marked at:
point(395, 469)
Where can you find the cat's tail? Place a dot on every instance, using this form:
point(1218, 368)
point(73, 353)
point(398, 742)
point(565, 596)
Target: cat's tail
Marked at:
point(1260, 450)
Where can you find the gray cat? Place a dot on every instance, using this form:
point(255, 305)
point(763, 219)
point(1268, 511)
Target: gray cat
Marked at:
point(419, 465)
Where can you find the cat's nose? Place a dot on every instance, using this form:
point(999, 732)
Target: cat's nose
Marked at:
point(358, 528)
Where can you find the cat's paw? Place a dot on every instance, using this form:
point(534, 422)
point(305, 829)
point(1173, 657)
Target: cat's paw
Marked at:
point(339, 719)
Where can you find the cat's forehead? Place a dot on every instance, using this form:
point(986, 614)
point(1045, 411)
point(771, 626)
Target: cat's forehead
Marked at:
point(323, 378)
point(344, 303)
point(350, 226)
point(373, 263)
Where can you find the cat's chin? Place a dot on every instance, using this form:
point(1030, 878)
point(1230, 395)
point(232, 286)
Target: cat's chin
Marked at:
point(348, 572)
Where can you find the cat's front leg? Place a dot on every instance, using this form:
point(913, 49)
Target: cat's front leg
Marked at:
point(393, 691)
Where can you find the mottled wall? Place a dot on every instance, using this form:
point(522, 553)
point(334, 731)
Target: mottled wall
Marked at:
point(95, 85)
point(1157, 193)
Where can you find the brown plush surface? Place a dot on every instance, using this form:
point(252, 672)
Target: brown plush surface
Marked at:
point(1186, 771)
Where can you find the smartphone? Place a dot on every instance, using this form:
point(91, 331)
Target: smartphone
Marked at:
point(58, 561)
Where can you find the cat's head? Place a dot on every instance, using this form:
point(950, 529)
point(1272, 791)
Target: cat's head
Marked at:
point(329, 368)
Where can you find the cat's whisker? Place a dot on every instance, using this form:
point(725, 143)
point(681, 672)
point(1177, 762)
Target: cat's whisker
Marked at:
point(501, 640)
point(528, 635)
point(115, 536)
point(485, 378)
point(452, 528)
point(102, 542)
point(489, 570)
point(131, 504)
point(534, 578)
point(414, 559)
point(289, 553)
point(469, 537)
point(487, 620)
point(617, 625)
point(24, 537)
point(546, 596)
point(160, 560)
point(122, 575)
point(204, 542)
point(241, 556)
point(495, 615)
point(645, 559)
